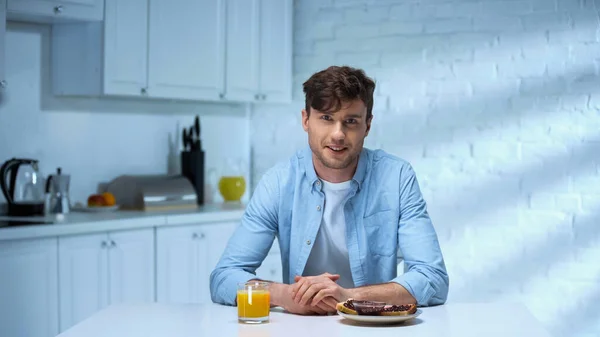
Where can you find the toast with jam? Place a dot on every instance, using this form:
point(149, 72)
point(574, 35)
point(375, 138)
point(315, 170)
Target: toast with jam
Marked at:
point(372, 308)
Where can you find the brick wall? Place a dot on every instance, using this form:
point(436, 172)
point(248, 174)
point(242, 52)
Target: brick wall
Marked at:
point(495, 103)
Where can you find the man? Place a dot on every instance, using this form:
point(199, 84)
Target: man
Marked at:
point(340, 212)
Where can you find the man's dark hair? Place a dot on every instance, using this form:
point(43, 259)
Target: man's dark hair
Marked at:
point(328, 89)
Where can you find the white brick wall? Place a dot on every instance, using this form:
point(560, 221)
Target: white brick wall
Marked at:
point(496, 104)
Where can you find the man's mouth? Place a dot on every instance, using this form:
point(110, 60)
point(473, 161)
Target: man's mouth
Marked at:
point(337, 149)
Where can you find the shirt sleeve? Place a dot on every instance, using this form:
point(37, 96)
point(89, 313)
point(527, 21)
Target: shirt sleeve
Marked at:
point(249, 244)
point(425, 277)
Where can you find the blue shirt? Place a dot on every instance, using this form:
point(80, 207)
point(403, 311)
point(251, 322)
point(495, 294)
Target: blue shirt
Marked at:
point(385, 212)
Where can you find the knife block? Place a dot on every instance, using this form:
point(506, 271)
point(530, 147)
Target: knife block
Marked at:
point(192, 167)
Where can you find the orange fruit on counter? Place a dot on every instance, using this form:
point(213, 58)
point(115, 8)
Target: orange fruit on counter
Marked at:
point(95, 200)
point(109, 199)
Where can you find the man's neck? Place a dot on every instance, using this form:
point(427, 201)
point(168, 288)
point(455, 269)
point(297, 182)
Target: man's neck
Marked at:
point(334, 175)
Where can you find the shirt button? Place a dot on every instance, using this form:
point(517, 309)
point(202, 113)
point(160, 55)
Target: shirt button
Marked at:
point(318, 208)
point(308, 242)
point(318, 182)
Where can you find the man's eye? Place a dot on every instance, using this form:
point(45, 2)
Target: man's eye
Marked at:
point(326, 117)
point(351, 121)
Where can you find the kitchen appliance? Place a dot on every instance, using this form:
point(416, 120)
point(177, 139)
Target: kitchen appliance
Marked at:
point(57, 188)
point(23, 187)
point(153, 192)
point(192, 159)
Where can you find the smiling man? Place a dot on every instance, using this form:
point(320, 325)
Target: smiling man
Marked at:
point(341, 213)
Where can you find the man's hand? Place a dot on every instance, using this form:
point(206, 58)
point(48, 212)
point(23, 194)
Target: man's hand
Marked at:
point(282, 296)
point(312, 290)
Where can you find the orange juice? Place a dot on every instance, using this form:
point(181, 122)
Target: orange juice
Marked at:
point(253, 304)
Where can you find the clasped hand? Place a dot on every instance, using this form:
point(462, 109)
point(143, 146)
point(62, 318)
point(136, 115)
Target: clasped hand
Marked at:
point(317, 294)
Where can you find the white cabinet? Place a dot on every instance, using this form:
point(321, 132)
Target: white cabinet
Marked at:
point(276, 50)
point(186, 51)
point(28, 288)
point(259, 50)
point(56, 11)
point(2, 46)
point(97, 270)
point(210, 50)
point(186, 255)
point(156, 49)
point(108, 58)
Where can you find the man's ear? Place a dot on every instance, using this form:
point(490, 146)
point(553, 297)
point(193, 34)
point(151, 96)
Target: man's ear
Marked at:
point(369, 125)
point(305, 116)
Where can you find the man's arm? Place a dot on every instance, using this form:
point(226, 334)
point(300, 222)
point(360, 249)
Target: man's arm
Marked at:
point(250, 243)
point(426, 278)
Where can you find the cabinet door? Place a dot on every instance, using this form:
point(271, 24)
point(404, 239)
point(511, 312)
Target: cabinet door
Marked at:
point(54, 10)
point(186, 51)
point(242, 50)
point(2, 47)
point(177, 264)
point(83, 277)
point(126, 47)
point(217, 235)
point(131, 266)
point(29, 288)
point(276, 50)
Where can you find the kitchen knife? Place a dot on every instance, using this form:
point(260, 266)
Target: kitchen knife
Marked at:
point(191, 138)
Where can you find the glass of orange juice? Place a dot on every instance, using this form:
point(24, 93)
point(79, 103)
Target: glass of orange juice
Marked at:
point(253, 302)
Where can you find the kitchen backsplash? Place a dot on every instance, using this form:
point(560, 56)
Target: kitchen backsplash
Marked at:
point(95, 140)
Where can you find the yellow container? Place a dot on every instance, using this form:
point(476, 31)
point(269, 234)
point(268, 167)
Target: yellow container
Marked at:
point(232, 188)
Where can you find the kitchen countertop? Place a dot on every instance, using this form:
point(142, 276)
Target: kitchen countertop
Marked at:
point(77, 222)
point(162, 320)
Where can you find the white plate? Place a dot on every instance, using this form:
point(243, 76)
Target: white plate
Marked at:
point(380, 319)
point(96, 209)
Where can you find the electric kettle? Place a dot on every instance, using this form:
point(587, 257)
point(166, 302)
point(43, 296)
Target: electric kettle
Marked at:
point(23, 187)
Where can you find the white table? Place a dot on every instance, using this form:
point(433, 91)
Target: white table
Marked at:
point(159, 320)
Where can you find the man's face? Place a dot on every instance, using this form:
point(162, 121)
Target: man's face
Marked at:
point(337, 138)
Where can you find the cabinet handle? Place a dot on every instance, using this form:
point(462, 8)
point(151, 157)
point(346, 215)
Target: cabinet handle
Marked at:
point(144, 91)
point(112, 243)
point(195, 236)
point(103, 245)
point(2, 84)
point(257, 97)
point(221, 95)
point(58, 9)
point(263, 97)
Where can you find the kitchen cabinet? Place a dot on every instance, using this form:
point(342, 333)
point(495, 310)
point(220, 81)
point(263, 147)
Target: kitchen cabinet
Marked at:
point(2, 45)
point(155, 49)
point(259, 50)
point(97, 270)
point(187, 51)
point(212, 50)
point(187, 254)
point(51, 11)
point(29, 288)
point(185, 257)
point(107, 58)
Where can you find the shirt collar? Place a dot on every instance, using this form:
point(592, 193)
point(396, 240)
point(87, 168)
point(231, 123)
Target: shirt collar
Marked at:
point(305, 157)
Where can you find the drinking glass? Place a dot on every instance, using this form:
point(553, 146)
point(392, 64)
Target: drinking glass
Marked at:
point(254, 302)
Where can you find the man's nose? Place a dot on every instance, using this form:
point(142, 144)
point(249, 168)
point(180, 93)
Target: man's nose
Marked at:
point(338, 132)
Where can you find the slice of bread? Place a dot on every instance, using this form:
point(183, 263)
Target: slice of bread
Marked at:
point(399, 310)
point(347, 307)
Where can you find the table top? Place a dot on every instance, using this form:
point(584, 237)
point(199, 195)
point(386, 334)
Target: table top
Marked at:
point(162, 320)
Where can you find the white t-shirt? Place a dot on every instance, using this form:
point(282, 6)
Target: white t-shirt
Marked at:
point(329, 252)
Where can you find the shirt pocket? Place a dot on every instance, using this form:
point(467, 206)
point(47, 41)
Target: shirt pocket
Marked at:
point(382, 232)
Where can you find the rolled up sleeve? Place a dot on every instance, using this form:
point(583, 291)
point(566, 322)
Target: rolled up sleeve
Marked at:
point(250, 243)
point(426, 278)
